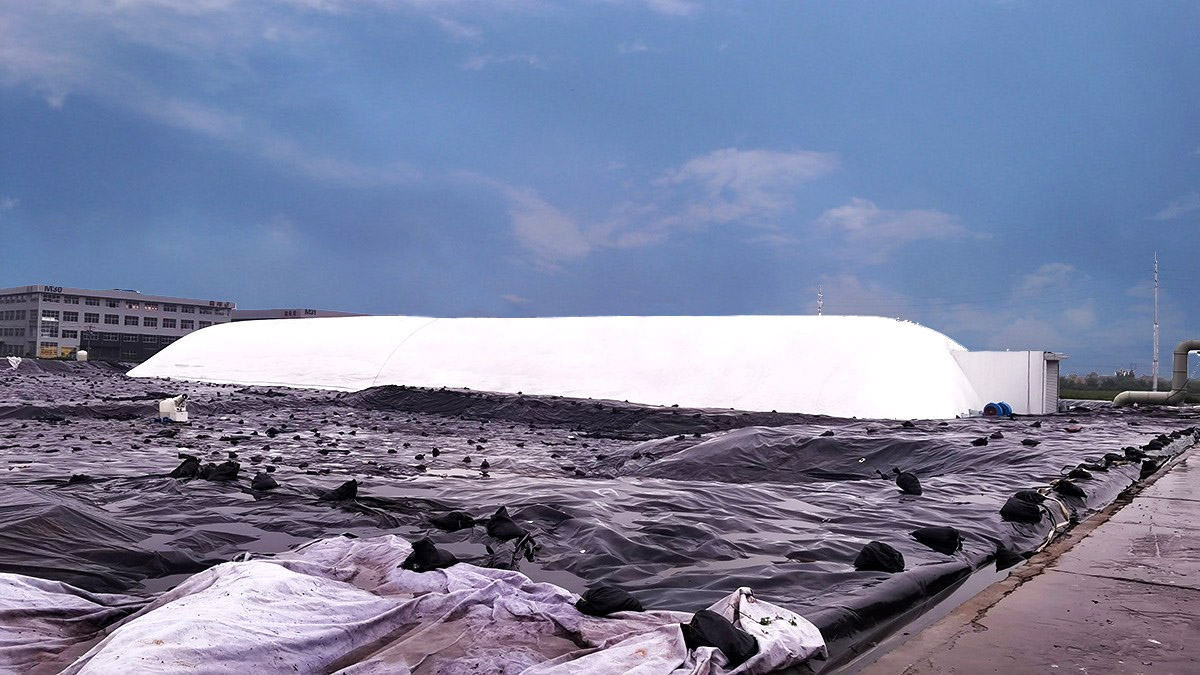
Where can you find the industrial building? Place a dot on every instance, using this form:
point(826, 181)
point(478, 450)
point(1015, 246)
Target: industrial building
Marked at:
point(287, 313)
point(55, 321)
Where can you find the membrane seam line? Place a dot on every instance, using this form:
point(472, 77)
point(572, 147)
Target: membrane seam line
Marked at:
point(375, 380)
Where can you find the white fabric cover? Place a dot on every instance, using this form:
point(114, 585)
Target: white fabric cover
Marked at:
point(847, 366)
point(344, 606)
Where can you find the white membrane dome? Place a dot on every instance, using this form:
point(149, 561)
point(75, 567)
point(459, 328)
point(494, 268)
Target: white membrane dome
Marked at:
point(847, 366)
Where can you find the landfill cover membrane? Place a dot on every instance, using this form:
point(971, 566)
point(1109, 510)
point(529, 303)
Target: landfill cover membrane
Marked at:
point(801, 534)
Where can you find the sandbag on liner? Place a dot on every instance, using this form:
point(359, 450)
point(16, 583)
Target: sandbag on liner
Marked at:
point(345, 606)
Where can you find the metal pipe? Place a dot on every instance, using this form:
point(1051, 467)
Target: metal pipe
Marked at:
point(1179, 382)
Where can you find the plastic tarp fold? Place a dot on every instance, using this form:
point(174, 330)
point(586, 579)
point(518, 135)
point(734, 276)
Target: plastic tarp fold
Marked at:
point(343, 605)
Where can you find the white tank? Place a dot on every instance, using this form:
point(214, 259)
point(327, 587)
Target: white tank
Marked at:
point(81, 355)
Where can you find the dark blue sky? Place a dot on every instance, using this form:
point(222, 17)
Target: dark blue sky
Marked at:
point(1000, 171)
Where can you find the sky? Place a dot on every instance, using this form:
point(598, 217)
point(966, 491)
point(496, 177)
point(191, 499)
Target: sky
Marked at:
point(1001, 171)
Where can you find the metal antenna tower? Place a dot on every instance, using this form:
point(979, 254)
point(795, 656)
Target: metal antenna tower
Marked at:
point(1154, 369)
point(820, 300)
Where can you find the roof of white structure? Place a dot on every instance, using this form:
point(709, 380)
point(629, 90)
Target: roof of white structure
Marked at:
point(847, 366)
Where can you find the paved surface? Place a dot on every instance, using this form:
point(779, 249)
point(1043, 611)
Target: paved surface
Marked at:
point(1117, 596)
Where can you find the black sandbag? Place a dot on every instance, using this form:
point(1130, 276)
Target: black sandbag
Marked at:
point(427, 557)
point(1149, 466)
point(1080, 473)
point(222, 471)
point(263, 481)
point(945, 540)
point(1066, 488)
point(188, 468)
point(1019, 510)
point(453, 521)
point(347, 490)
point(1006, 558)
point(879, 557)
point(709, 629)
point(907, 482)
point(604, 600)
point(502, 527)
point(1031, 496)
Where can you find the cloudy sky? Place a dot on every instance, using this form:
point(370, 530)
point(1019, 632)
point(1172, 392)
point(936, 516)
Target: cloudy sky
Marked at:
point(1002, 171)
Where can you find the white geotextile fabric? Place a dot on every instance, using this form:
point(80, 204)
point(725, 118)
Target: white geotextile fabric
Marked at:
point(846, 366)
point(343, 605)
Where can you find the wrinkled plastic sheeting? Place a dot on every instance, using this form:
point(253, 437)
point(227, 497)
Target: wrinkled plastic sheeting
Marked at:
point(43, 620)
point(14, 362)
point(344, 606)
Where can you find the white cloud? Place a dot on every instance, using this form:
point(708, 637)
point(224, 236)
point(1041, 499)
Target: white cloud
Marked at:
point(458, 30)
point(515, 299)
point(1080, 317)
point(870, 232)
point(549, 234)
point(8, 204)
point(481, 61)
point(1178, 208)
point(673, 7)
point(62, 48)
point(752, 187)
point(1049, 278)
point(635, 47)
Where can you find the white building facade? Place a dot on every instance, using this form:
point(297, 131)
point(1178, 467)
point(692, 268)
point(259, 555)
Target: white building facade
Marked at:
point(119, 325)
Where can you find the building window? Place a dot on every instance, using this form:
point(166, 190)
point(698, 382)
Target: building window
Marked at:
point(168, 323)
point(91, 317)
point(166, 339)
point(49, 330)
point(112, 303)
point(170, 308)
point(187, 324)
point(110, 337)
point(71, 299)
point(70, 334)
point(49, 345)
point(150, 339)
point(150, 321)
point(51, 314)
point(130, 304)
point(129, 337)
point(71, 316)
point(112, 319)
point(129, 353)
point(151, 306)
point(131, 320)
point(205, 310)
point(92, 302)
point(47, 297)
point(205, 324)
point(187, 309)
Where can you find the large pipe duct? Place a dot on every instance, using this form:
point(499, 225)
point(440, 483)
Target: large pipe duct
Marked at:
point(1179, 381)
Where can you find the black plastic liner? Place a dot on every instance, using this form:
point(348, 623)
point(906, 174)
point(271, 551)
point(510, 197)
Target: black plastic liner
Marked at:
point(676, 506)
